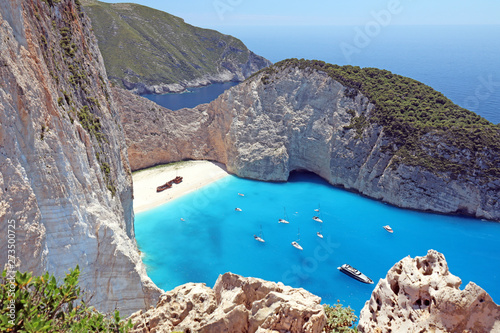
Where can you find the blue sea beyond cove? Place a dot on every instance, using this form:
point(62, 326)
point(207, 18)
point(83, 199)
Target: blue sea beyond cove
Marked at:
point(462, 62)
point(214, 238)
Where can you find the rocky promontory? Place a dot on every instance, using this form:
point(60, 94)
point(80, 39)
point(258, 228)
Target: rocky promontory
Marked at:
point(65, 180)
point(149, 51)
point(235, 304)
point(421, 295)
point(367, 130)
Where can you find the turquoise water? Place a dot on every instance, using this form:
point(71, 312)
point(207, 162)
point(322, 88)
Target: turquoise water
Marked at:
point(214, 238)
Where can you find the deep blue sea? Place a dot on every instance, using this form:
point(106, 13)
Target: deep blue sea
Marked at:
point(214, 238)
point(192, 97)
point(461, 62)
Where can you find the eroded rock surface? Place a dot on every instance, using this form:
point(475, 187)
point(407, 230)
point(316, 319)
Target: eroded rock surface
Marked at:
point(235, 304)
point(65, 180)
point(421, 295)
point(300, 119)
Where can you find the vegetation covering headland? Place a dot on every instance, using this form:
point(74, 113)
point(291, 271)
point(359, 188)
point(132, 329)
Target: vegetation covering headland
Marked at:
point(144, 45)
point(426, 128)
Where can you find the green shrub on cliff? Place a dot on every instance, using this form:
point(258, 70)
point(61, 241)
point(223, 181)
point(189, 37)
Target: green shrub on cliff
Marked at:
point(425, 127)
point(41, 304)
point(339, 319)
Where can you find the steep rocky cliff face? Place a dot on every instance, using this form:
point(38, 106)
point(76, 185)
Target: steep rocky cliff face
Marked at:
point(64, 175)
point(300, 118)
point(150, 51)
point(235, 304)
point(421, 295)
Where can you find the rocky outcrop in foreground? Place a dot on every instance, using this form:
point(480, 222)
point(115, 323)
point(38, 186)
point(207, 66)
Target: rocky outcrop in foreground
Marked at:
point(235, 304)
point(152, 52)
point(421, 295)
point(65, 180)
point(294, 117)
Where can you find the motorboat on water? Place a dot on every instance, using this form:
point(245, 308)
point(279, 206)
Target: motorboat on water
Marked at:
point(388, 228)
point(241, 194)
point(237, 209)
point(317, 219)
point(354, 273)
point(319, 234)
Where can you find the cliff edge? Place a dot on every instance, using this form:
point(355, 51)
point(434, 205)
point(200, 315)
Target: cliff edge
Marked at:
point(235, 304)
point(150, 51)
point(421, 295)
point(367, 130)
point(65, 180)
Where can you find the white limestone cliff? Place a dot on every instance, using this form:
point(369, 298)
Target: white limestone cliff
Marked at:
point(298, 119)
point(235, 304)
point(64, 174)
point(421, 295)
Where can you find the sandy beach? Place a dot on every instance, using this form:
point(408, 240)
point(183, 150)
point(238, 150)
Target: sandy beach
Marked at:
point(196, 174)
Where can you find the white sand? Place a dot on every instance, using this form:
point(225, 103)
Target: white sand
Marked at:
point(196, 174)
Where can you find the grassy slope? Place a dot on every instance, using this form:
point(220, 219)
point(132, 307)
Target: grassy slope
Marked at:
point(158, 47)
point(428, 129)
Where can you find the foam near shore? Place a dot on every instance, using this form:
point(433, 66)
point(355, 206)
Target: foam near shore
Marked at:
point(196, 174)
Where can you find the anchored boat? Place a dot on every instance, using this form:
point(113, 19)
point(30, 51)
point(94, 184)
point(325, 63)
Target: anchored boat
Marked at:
point(354, 273)
point(259, 237)
point(296, 244)
point(284, 219)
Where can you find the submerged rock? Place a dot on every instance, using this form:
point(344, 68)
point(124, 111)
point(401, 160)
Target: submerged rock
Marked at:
point(421, 295)
point(235, 304)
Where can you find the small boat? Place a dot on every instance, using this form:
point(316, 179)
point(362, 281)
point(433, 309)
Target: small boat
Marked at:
point(317, 209)
point(317, 219)
point(296, 244)
point(354, 273)
point(388, 228)
point(237, 209)
point(319, 234)
point(284, 219)
point(241, 194)
point(182, 219)
point(259, 238)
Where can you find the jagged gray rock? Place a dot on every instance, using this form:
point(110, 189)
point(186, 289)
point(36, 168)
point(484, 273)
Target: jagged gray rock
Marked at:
point(298, 119)
point(235, 304)
point(421, 295)
point(64, 174)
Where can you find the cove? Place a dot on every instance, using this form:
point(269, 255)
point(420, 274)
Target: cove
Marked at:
point(192, 97)
point(214, 238)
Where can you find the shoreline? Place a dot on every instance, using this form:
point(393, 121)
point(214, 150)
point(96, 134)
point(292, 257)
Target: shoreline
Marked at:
point(196, 174)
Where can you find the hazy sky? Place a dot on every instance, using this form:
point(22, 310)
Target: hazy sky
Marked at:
point(217, 13)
